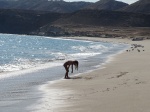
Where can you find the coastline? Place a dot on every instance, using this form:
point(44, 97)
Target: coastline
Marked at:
point(22, 90)
point(122, 85)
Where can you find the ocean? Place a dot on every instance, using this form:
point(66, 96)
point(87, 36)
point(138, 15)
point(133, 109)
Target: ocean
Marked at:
point(27, 62)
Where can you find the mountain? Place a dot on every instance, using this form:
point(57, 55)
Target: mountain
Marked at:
point(58, 24)
point(107, 5)
point(84, 19)
point(141, 6)
point(44, 5)
point(105, 18)
point(60, 6)
point(23, 21)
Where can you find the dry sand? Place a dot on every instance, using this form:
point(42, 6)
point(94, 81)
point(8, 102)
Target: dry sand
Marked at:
point(123, 85)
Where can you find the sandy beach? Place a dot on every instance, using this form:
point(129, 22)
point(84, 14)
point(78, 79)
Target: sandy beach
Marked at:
point(121, 85)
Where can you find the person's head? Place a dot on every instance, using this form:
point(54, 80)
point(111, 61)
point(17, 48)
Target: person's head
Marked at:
point(76, 63)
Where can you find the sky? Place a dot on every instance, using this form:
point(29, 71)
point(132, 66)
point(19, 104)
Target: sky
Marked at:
point(126, 1)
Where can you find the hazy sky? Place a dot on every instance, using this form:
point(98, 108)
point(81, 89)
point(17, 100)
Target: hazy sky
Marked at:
point(126, 1)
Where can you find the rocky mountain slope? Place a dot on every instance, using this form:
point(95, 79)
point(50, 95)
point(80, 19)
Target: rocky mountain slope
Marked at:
point(43, 17)
point(107, 5)
point(60, 6)
point(47, 23)
point(141, 6)
point(44, 5)
point(24, 22)
point(105, 18)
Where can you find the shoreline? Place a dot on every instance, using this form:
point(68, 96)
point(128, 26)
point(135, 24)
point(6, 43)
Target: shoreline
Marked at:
point(88, 91)
point(119, 87)
point(43, 87)
point(25, 83)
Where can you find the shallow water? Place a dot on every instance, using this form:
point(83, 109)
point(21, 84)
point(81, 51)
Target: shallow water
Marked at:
point(22, 52)
point(43, 58)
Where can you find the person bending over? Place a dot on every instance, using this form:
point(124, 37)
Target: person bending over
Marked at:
point(68, 64)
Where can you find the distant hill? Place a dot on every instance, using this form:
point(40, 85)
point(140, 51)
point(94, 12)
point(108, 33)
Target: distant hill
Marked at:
point(141, 6)
point(44, 5)
point(94, 18)
point(48, 23)
point(24, 22)
point(105, 18)
point(60, 6)
point(107, 5)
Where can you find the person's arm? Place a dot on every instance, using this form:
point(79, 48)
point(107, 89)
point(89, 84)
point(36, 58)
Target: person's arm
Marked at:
point(68, 67)
point(72, 68)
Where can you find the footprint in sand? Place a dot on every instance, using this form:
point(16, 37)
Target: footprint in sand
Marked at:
point(88, 78)
point(121, 74)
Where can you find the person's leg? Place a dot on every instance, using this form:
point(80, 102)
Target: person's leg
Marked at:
point(66, 75)
point(72, 68)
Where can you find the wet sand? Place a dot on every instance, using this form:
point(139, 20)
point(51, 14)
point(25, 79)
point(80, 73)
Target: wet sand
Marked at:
point(122, 85)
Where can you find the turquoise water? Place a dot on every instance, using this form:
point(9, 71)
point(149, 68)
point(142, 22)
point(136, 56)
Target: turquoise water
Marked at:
point(22, 51)
point(27, 62)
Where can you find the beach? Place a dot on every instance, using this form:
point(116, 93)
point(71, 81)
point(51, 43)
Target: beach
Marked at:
point(28, 63)
point(120, 85)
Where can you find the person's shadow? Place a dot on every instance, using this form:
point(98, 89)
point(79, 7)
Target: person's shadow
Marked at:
point(76, 77)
